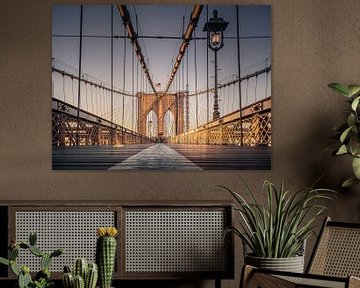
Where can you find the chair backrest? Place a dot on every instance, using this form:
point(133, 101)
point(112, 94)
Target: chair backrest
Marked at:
point(337, 251)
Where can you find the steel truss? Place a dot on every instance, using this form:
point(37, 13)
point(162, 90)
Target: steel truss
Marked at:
point(93, 130)
point(256, 128)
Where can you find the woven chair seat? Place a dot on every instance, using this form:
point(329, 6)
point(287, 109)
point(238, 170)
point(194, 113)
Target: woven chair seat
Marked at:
point(314, 282)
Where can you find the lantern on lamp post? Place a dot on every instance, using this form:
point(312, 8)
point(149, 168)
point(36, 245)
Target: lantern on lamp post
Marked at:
point(215, 36)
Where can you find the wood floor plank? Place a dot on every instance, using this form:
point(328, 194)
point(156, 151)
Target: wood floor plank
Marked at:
point(207, 157)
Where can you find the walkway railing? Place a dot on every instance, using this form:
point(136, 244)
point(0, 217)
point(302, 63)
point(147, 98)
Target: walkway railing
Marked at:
point(256, 128)
point(255, 121)
point(93, 130)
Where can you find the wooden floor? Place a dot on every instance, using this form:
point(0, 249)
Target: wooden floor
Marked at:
point(162, 157)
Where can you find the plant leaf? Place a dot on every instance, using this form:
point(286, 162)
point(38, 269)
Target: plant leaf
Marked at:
point(353, 89)
point(351, 119)
point(345, 134)
point(356, 167)
point(354, 145)
point(342, 150)
point(4, 261)
point(14, 268)
point(355, 103)
point(349, 182)
point(340, 88)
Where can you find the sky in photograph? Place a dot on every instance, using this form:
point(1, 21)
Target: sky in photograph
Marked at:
point(160, 54)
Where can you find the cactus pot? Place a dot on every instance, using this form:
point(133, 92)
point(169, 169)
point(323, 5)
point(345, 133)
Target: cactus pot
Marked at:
point(291, 264)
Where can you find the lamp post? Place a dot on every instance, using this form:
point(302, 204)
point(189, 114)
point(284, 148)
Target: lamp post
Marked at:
point(215, 28)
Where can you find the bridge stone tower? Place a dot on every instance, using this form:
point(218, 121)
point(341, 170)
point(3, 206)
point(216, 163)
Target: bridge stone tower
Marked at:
point(160, 105)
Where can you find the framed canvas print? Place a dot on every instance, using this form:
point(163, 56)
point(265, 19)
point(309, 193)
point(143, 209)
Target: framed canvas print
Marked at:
point(161, 87)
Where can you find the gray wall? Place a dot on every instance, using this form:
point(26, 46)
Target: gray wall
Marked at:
point(314, 43)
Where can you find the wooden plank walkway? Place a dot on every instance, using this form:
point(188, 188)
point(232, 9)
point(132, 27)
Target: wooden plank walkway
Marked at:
point(158, 157)
point(162, 157)
point(226, 157)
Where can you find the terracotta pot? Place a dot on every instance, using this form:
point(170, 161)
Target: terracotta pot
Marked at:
point(291, 264)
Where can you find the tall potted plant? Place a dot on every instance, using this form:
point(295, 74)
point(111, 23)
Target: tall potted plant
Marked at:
point(348, 132)
point(275, 233)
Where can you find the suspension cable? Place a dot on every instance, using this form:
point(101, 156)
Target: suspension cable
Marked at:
point(91, 82)
point(267, 79)
point(112, 73)
point(156, 37)
point(233, 97)
point(239, 71)
point(72, 89)
point(63, 81)
point(256, 84)
point(79, 86)
point(187, 93)
point(207, 69)
point(195, 72)
point(100, 101)
point(86, 97)
point(124, 79)
point(137, 93)
point(183, 76)
point(92, 99)
point(177, 105)
point(187, 37)
point(132, 87)
point(194, 18)
point(125, 15)
point(267, 69)
point(226, 99)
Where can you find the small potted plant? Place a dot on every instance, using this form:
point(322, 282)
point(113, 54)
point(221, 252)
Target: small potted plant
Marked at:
point(106, 254)
point(42, 278)
point(348, 132)
point(84, 274)
point(276, 233)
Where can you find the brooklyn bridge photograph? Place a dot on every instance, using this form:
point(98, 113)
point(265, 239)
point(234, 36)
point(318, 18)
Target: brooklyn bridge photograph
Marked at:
point(161, 87)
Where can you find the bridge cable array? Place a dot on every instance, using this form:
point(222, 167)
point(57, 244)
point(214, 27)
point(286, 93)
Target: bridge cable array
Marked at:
point(176, 78)
point(125, 15)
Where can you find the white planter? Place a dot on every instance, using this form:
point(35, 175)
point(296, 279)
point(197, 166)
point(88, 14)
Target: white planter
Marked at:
point(291, 264)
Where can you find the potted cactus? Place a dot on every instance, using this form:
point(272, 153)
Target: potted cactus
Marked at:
point(42, 278)
point(84, 275)
point(106, 254)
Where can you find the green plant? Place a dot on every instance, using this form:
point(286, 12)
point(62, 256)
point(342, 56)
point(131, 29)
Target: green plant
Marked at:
point(105, 254)
point(42, 278)
point(43, 283)
point(85, 275)
point(349, 132)
point(279, 229)
point(80, 268)
point(91, 275)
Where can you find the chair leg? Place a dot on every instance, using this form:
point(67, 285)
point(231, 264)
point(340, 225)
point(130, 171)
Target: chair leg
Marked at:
point(246, 273)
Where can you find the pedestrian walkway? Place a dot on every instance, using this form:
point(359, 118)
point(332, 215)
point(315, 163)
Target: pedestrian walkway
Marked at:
point(157, 157)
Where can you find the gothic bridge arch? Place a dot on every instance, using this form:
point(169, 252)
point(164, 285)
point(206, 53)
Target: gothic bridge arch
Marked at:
point(160, 105)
